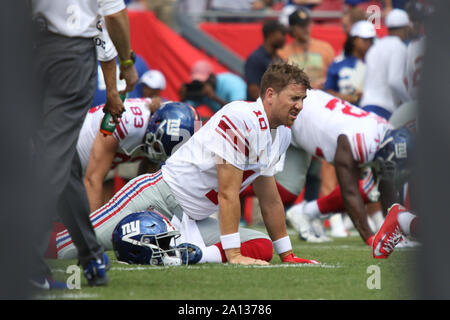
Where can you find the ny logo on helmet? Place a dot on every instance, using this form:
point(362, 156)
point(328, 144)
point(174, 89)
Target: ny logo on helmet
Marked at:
point(401, 150)
point(173, 127)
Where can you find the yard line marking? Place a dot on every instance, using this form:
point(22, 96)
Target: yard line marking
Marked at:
point(69, 296)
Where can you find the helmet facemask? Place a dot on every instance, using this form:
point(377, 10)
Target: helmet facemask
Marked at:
point(162, 253)
point(154, 146)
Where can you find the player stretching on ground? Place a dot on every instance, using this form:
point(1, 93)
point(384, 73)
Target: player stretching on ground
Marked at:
point(241, 144)
point(351, 139)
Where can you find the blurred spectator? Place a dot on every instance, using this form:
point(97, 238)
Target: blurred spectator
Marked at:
point(394, 4)
point(192, 7)
point(305, 3)
point(417, 12)
point(100, 91)
point(239, 5)
point(153, 82)
point(353, 3)
point(163, 10)
point(212, 90)
point(350, 17)
point(346, 75)
point(384, 88)
point(274, 34)
point(313, 55)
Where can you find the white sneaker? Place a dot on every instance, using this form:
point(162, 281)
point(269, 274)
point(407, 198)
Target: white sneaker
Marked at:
point(406, 243)
point(337, 226)
point(299, 220)
point(319, 230)
point(301, 223)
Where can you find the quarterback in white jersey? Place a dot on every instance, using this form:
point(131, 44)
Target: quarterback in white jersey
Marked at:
point(345, 136)
point(240, 144)
point(240, 135)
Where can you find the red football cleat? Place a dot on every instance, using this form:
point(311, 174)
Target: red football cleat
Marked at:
point(389, 234)
point(370, 240)
point(292, 258)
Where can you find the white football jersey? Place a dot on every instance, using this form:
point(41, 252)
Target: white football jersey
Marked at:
point(239, 133)
point(324, 118)
point(385, 71)
point(129, 132)
point(75, 18)
point(414, 63)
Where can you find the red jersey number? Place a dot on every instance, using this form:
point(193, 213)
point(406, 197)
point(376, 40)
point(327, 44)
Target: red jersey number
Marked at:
point(347, 109)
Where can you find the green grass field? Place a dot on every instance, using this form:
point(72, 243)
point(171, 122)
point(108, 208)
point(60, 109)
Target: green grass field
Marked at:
point(343, 274)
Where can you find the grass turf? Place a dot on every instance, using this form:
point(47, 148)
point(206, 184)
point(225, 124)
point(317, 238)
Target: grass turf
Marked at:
point(343, 274)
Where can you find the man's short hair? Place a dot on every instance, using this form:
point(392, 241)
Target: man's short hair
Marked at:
point(280, 74)
point(272, 26)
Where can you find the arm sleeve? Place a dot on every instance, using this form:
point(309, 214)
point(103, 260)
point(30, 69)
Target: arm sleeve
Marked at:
point(230, 140)
point(108, 7)
point(103, 44)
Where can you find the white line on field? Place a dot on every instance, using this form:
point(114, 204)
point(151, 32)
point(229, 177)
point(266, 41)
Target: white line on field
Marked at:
point(68, 296)
point(322, 265)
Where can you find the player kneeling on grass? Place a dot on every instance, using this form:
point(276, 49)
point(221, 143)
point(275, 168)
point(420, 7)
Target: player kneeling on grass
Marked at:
point(241, 144)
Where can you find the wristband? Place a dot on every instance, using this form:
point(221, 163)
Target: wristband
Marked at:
point(282, 245)
point(128, 62)
point(230, 241)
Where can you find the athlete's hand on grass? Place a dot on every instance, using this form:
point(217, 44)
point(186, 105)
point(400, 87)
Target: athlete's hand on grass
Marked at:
point(234, 256)
point(292, 258)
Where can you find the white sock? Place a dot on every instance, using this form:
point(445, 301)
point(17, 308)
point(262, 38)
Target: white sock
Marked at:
point(378, 219)
point(337, 223)
point(404, 220)
point(211, 254)
point(371, 224)
point(312, 209)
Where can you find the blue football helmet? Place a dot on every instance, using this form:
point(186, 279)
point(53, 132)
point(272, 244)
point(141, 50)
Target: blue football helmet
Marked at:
point(144, 238)
point(393, 158)
point(169, 128)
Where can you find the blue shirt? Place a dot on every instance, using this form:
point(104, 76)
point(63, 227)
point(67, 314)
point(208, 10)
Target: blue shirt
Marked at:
point(100, 91)
point(256, 65)
point(345, 75)
point(229, 87)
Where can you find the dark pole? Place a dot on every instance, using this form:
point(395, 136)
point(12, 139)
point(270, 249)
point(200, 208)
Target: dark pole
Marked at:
point(433, 175)
point(17, 110)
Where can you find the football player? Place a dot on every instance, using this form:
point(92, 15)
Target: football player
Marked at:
point(241, 144)
point(353, 140)
point(100, 154)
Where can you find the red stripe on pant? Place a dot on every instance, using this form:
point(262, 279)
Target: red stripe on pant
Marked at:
point(257, 249)
point(333, 202)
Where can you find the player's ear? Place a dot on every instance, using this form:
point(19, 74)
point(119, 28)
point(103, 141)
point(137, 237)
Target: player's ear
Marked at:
point(269, 95)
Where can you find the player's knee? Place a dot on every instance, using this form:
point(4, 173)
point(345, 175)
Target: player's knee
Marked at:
point(258, 249)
